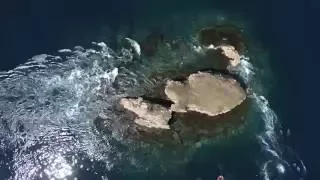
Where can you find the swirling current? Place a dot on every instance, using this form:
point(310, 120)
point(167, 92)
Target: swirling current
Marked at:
point(48, 106)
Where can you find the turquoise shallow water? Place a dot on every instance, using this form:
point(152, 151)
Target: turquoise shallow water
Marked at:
point(48, 105)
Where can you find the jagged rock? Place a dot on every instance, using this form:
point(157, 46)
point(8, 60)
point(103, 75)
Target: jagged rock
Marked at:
point(205, 93)
point(149, 114)
point(128, 129)
point(231, 54)
point(222, 56)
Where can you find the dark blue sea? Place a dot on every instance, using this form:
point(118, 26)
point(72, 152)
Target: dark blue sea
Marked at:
point(50, 90)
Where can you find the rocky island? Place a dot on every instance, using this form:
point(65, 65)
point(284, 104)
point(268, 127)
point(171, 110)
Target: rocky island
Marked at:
point(198, 104)
point(205, 93)
point(198, 107)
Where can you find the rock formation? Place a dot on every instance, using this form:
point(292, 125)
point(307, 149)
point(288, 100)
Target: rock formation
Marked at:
point(199, 106)
point(149, 115)
point(205, 93)
point(191, 106)
point(230, 54)
point(224, 41)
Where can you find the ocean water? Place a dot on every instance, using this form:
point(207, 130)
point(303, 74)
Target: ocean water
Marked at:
point(48, 103)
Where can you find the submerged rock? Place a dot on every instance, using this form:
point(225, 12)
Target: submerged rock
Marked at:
point(222, 35)
point(205, 93)
point(150, 44)
point(194, 127)
point(149, 115)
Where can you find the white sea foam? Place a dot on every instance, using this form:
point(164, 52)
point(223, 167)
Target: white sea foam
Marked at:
point(135, 45)
point(269, 138)
point(245, 69)
point(65, 51)
point(51, 111)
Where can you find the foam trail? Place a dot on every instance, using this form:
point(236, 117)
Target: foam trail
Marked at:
point(47, 105)
point(268, 138)
point(280, 164)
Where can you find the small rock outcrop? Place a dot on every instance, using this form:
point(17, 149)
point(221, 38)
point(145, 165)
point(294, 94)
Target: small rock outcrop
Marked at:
point(231, 54)
point(224, 44)
point(148, 114)
point(205, 93)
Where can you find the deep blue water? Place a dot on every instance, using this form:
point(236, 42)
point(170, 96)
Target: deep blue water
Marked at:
point(35, 27)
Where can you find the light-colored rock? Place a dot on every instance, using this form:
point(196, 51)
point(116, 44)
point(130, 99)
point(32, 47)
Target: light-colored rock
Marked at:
point(178, 93)
point(149, 115)
point(205, 93)
point(231, 53)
